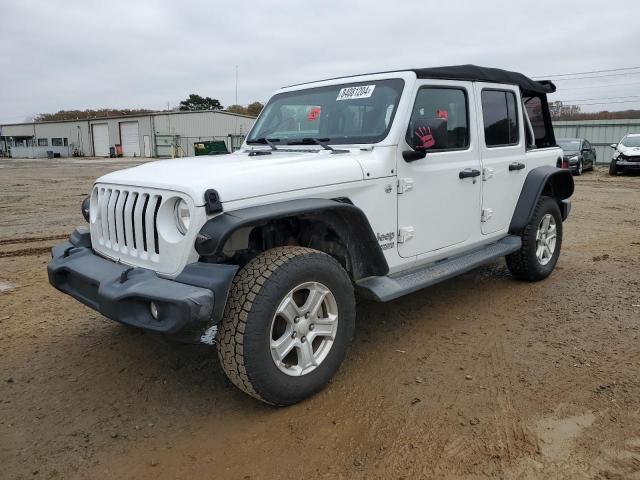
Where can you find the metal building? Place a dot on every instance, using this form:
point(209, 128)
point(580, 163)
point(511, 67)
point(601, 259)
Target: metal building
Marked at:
point(162, 134)
point(600, 133)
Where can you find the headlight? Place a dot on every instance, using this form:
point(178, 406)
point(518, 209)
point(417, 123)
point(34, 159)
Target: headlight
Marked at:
point(85, 208)
point(574, 158)
point(183, 216)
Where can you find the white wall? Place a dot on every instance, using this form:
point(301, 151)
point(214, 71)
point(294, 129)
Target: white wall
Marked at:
point(190, 126)
point(39, 152)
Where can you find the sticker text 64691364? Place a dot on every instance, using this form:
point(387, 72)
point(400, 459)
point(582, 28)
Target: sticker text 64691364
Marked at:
point(352, 93)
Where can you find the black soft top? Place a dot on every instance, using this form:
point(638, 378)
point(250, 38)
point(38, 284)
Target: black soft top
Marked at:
point(470, 73)
point(486, 74)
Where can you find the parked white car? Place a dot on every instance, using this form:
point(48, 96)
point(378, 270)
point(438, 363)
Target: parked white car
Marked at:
point(626, 155)
point(378, 184)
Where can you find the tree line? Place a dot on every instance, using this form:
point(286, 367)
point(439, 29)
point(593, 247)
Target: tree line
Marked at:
point(562, 111)
point(191, 103)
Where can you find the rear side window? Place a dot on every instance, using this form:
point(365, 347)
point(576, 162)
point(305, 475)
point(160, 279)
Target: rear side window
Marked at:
point(500, 116)
point(538, 112)
point(439, 120)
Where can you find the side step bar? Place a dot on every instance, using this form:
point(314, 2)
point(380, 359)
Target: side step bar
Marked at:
point(391, 287)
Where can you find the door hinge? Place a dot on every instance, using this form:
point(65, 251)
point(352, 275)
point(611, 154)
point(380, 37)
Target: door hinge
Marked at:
point(487, 173)
point(405, 185)
point(405, 234)
point(487, 213)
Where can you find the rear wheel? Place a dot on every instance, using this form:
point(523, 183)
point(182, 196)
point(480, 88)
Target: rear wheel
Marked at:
point(287, 324)
point(541, 243)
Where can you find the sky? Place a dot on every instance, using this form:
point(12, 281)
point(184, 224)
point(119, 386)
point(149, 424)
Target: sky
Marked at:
point(69, 54)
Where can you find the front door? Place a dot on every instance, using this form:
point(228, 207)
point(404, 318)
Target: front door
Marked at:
point(440, 204)
point(502, 143)
point(588, 155)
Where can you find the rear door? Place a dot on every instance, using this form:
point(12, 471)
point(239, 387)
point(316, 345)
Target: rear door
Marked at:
point(502, 145)
point(439, 195)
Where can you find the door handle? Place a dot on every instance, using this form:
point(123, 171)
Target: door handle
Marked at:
point(516, 166)
point(469, 173)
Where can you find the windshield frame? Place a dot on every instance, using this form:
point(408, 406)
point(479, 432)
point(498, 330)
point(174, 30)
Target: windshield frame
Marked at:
point(400, 85)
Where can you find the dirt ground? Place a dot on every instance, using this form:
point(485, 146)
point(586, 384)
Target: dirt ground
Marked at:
point(481, 376)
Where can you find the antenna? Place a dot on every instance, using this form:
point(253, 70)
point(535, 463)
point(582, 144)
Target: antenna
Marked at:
point(236, 84)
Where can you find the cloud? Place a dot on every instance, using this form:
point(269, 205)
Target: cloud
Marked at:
point(134, 54)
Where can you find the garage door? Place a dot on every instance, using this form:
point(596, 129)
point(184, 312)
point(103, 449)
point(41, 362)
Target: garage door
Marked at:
point(100, 135)
point(130, 139)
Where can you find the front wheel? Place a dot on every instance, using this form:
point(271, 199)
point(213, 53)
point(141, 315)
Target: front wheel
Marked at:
point(579, 168)
point(613, 168)
point(288, 321)
point(541, 242)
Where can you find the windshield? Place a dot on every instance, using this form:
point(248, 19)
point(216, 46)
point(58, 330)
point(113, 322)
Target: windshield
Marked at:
point(569, 145)
point(631, 141)
point(349, 113)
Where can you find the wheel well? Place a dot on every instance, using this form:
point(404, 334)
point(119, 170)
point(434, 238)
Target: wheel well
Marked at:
point(558, 187)
point(321, 234)
point(296, 231)
point(336, 227)
point(546, 180)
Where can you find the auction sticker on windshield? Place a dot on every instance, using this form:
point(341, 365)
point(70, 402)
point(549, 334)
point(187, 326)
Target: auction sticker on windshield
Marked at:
point(352, 93)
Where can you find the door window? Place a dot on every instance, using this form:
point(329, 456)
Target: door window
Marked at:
point(439, 120)
point(500, 116)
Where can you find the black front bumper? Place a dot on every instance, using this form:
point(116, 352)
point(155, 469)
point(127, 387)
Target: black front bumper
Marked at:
point(187, 306)
point(628, 165)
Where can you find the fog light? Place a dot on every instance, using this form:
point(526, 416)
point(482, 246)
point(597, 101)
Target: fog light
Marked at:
point(153, 307)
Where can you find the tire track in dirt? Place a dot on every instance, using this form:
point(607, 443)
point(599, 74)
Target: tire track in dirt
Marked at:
point(512, 437)
point(10, 241)
point(25, 252)
point(29, 251)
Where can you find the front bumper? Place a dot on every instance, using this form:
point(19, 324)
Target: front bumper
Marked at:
point(627, 164)
point(188, 306)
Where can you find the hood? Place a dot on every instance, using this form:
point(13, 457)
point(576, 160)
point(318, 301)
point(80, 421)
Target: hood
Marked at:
point(629, 151)
point(238, 176)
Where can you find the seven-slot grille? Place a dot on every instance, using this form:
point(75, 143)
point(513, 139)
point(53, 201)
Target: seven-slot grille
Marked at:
point(125, 222)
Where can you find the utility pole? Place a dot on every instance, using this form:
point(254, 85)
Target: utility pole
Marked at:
point(236, 84)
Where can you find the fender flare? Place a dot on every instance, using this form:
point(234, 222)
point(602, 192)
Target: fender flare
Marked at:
point(553, 181)
point(348, 222)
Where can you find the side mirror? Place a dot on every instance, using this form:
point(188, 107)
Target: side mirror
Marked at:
point(614, 145)
point(413, 155)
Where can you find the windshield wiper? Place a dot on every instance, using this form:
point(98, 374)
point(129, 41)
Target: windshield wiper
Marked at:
point(265, 141)
point(317, 141)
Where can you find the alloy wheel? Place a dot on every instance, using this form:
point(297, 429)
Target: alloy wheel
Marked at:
point(303, 329)
point(546, 239)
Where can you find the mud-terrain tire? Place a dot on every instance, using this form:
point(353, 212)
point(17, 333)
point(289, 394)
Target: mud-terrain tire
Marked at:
point(530, 262)
point(613, 169)
point(266, 307)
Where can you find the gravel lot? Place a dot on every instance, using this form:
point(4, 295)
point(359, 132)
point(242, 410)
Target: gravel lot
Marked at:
point(481, 376)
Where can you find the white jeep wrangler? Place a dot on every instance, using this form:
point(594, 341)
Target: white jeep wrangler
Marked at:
point(377, 184)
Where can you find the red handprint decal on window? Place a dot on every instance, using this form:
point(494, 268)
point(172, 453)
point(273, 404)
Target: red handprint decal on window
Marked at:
point(424, 134)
